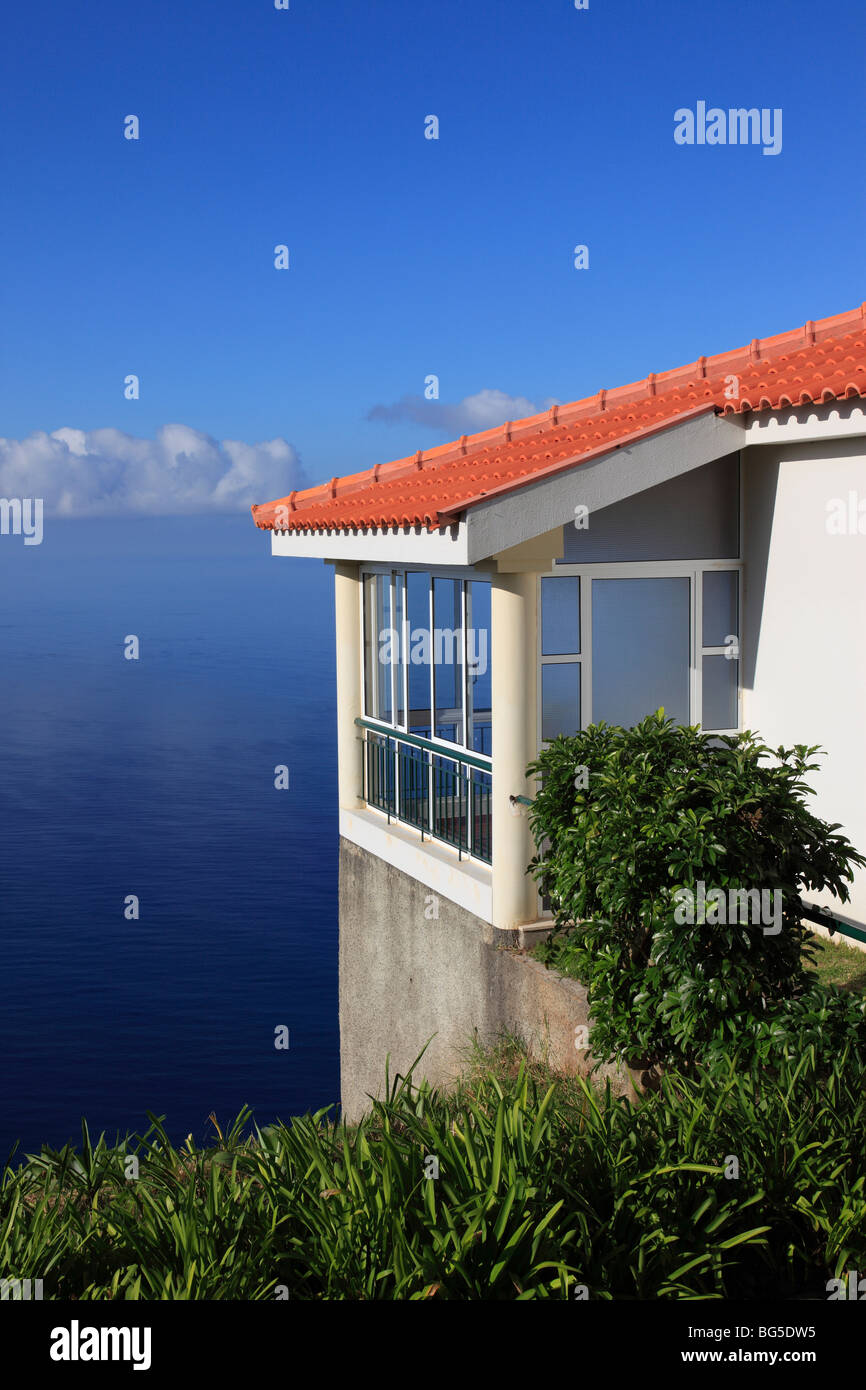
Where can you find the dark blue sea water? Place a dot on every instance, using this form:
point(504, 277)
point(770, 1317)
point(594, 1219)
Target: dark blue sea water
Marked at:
point(156, 778)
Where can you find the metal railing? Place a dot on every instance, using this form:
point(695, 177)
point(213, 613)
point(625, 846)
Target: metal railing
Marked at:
point(441, 793)
point(826, 917)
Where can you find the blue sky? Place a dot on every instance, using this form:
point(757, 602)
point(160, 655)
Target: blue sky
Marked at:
point(408, 256)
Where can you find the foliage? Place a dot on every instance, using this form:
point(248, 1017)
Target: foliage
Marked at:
point(544, 1186)
point(636, 826)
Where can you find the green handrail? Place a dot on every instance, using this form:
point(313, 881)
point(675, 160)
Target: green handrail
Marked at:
point(459, 755)
point(825, 918)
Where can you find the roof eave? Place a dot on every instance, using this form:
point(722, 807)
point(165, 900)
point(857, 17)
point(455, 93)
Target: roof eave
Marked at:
point(506, 517)
point(445, 546)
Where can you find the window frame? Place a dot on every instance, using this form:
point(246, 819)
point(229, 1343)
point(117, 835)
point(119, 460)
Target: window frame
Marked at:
point(693, 570)
point(369, 568)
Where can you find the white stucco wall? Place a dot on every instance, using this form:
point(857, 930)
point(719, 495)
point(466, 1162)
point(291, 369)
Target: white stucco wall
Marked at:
point(803, 669)
point(804, 639)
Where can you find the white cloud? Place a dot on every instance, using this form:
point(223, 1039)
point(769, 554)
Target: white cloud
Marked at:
point(106, 472)
point(483, 411)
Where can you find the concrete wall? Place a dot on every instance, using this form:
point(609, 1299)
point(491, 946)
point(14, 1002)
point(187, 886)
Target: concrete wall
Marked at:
point(407, 974)
point(804, 624)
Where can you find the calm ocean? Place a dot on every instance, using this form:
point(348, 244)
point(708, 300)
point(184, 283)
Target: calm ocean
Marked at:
point(156, 778)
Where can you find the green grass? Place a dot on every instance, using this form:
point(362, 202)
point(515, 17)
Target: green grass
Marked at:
point(546, 1187)
point(841, 965)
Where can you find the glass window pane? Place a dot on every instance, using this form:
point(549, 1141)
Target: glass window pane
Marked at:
point(640, 649)
point(399, 645)
point(720, 680)
point(385, 643)
point(377, 646)
point(418, 614)
point(560, 699)
point(720, 619)
point(560, 616)
point(448, 658)
point(369, 645)
point(478, 687)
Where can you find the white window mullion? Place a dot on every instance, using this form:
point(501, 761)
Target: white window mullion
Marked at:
point(365, 737)
point(586, 651)
point(464, 654)
point(363, 606)
point(431, 801)
point(537, 663)
point(391, 629)
point(697, 659)
point(392, 677)
point(406, 635)
point(374, 638)
point(740, 586)
point(466, 616)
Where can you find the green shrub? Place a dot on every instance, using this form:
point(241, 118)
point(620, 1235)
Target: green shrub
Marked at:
point(632, 827)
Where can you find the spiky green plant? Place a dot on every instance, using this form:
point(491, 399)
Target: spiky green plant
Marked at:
point(544, 1188)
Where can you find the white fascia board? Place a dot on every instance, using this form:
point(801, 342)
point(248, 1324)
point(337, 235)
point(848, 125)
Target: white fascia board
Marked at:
point(540, 506)
point(411, 546)
point(836, 419)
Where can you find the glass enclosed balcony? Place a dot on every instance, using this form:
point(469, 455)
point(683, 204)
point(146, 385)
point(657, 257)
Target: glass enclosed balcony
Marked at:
point(427, 705)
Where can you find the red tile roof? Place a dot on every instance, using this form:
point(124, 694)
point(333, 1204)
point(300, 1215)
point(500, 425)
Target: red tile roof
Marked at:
point(823, 361)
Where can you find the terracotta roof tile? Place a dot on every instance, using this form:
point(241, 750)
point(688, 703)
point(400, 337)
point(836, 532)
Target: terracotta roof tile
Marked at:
point(824, 360)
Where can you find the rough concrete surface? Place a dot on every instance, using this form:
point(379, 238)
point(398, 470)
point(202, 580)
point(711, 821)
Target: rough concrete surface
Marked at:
point(415, 968)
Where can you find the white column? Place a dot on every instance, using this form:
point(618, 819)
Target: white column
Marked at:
point(347, 606)
point(513, 619)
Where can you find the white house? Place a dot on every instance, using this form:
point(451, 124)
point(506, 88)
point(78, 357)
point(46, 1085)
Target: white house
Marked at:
point(696, 540)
